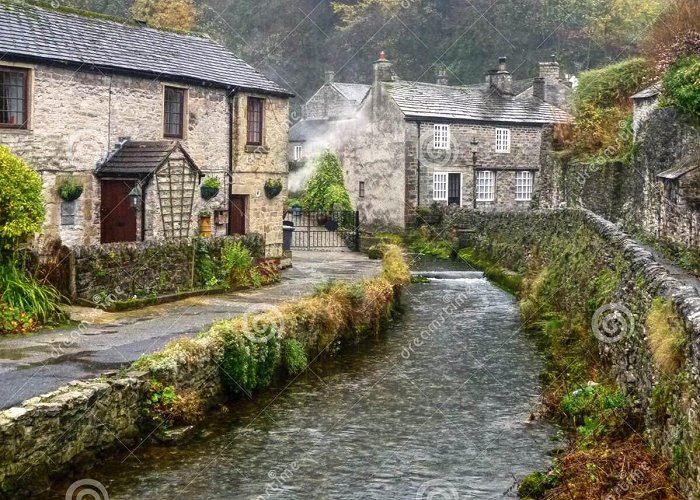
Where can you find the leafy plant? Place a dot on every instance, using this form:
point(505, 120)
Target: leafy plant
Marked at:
point(236, 262)
point(326, 188)
point(596, 409)
point(295, 359)
point(22, 207)
point(69, 189)
point(682, 84)
point(294, 203)
point(249, 365)
point(211, 183)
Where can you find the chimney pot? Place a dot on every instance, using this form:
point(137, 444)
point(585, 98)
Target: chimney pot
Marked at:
point(382, 56)
point(441, 74)
point(383, 69)
point(330, 76)
point(502, 79)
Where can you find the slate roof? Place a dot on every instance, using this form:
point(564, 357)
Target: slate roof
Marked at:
point(140, 158)
point(354, 92)
point(30, 32)
point(478, 103)
point(649, 92)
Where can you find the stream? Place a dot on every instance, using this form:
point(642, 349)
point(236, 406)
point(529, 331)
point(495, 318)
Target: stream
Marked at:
point(438, 405)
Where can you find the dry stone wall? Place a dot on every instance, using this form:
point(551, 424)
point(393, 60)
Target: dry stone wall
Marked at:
point(667, 404)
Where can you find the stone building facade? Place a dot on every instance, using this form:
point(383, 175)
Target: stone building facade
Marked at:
point(415, 144)
point(82, 103)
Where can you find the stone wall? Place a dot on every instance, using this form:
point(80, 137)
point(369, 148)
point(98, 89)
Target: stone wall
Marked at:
point(121, 271)
point(257, 164)
point(630, 192)
point(512, 238)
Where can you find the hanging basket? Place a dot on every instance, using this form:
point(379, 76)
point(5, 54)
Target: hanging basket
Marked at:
point(70, 190)
point(208, 192)
point(272, 191)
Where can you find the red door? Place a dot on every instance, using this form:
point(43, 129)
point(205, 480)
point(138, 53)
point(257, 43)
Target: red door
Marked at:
point(117, 216)
point(237, 217)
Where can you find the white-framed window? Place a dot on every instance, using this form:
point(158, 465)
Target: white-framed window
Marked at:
point(485, 185)
point(523, 186)
point(440, 186)
point(502, 140)
point(441, 137)
point(297, 153)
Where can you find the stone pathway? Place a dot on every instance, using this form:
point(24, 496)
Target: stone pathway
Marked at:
point(34, 365)
point(674, 270)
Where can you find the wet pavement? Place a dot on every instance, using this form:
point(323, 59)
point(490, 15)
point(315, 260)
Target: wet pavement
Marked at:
point(34, 365)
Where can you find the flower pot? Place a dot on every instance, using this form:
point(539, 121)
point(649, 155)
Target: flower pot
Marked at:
point(205, 226)
point(321, 219)
point(272, 191)
point(208, 192)
point(296, 211)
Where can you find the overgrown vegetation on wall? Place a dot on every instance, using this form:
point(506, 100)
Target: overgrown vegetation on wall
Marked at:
point(611, 343)
point(251, 350)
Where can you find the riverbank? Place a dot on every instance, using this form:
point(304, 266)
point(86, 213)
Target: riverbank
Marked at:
point(166, 392)
point(618, 330)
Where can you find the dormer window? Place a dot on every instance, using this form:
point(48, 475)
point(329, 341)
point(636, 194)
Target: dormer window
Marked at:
point(502, 140)
point(14, 99)
point(441, 137)
point(297, 153)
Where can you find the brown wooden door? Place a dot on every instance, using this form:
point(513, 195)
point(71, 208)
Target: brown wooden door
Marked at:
point(117, 216)
point(237, 217)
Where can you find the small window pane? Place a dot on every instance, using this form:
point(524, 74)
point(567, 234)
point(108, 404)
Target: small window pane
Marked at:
point(13, 98)
point(174, 112)
point(523, 186)
point(502, 140)
point(441, 138)
point(362, 189)
point(485, 185)
point(297, 153)
point(440, 186)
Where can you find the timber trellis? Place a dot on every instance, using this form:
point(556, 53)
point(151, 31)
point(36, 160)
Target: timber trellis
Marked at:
point(328, 229)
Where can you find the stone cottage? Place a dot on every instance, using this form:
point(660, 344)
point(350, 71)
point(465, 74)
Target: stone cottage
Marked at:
point(415, 144)
point(139, 117)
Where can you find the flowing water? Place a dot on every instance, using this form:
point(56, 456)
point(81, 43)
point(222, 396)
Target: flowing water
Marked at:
point(439, 405)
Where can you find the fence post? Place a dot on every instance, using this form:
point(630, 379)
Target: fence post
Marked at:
point(357, 230)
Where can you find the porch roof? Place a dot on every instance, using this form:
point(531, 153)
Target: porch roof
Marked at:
point(139, 159)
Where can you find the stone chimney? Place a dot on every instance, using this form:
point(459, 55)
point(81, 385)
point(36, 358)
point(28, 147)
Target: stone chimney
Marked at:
point(441, 74)
point(383, 69)
point(539, 88)
point(330, 76)
point(502, 80)
point(550, 70)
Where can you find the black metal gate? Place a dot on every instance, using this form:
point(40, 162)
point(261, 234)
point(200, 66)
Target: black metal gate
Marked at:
point(325, 229)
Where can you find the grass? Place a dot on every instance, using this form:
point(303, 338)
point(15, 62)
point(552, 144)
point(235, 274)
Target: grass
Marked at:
point(666, 336)
point(25, 303)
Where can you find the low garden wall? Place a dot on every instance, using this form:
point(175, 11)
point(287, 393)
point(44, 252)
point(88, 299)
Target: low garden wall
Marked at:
point(52, 435)
point(122, 271)
point(583, 275)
